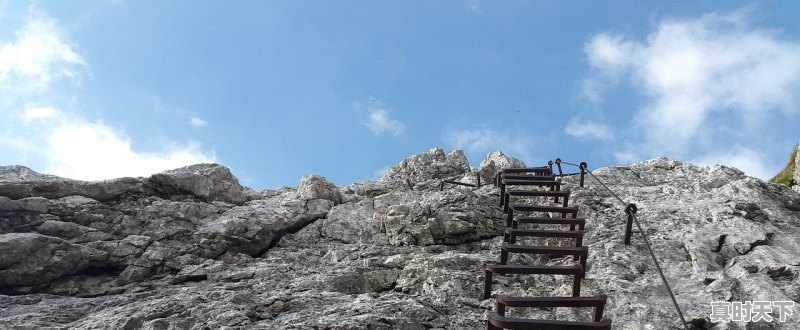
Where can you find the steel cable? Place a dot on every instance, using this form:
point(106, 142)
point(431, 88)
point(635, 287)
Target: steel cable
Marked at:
point(646, 242)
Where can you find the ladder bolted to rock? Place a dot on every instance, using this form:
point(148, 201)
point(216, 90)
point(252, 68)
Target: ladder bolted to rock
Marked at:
point(538, 178)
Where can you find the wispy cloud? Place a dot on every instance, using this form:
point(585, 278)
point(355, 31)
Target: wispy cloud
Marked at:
point(159, 104)
point(477, 142)
point(380, 121)
point(587, 130)
point(743, 158)
point(692, 72)
point(46, 135)
point(197, 122)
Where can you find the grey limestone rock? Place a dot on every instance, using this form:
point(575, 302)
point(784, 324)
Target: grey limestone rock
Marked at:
point(427, 166)
point(452, 216)
point(192, 249)
point(316, 187)
point(30, 259)
point(718, 234)
point(209, 182)
point(496, 161)
point(18, 182)
point(29, 204)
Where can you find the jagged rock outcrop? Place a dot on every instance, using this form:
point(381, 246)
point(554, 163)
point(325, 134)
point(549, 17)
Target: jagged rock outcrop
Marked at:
point(191, 249)
point(433, 165)
point(496, 161)
point(316, 187)
point(209, 182)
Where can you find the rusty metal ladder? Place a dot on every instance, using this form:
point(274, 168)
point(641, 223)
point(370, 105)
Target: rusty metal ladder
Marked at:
point(540, 177)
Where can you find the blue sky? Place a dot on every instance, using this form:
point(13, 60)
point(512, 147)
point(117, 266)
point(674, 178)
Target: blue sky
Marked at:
point(279, 89)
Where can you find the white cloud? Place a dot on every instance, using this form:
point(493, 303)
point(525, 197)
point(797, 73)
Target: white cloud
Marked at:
point(699, 77)
point(74, 147)
point(609, 53)
point(745, 159)
point(37, 113)
point(588, 130)
point(61, 142)
point(37, 57)
point(197, 122)
point(478, 142)
point(380, 122)
point(626, 156)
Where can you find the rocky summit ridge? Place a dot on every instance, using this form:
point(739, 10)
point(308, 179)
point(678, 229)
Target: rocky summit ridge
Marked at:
point(191, 248)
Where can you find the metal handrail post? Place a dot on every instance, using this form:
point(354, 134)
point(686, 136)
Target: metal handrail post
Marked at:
point(558, 164)
point(583, 167)
point(630, 210)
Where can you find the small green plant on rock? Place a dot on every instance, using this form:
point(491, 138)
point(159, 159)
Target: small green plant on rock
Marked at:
point(687, 255)
point(785, 176)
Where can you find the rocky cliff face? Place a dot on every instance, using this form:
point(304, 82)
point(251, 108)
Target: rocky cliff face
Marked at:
point(191, 248)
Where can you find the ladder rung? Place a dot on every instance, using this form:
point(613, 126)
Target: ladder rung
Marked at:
point(538, 193)
point(552, 250)
point(528, 177)
point(544, 233)
point(539, 208)
point(539, 169)
point(552, 301)
point(547, 182)
point(580, 253)
point(502, 322)
point(552, 221)
point(575, 270)
point(530, 270)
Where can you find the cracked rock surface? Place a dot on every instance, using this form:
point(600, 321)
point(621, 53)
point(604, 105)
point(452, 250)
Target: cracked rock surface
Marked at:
point(192, 249)
point(719, 236)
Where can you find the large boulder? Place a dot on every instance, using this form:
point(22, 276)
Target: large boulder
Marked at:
point(209, 182)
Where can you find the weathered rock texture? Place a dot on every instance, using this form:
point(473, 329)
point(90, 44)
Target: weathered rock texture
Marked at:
point(192, 249)
point(496, 161)
point(427, 167)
